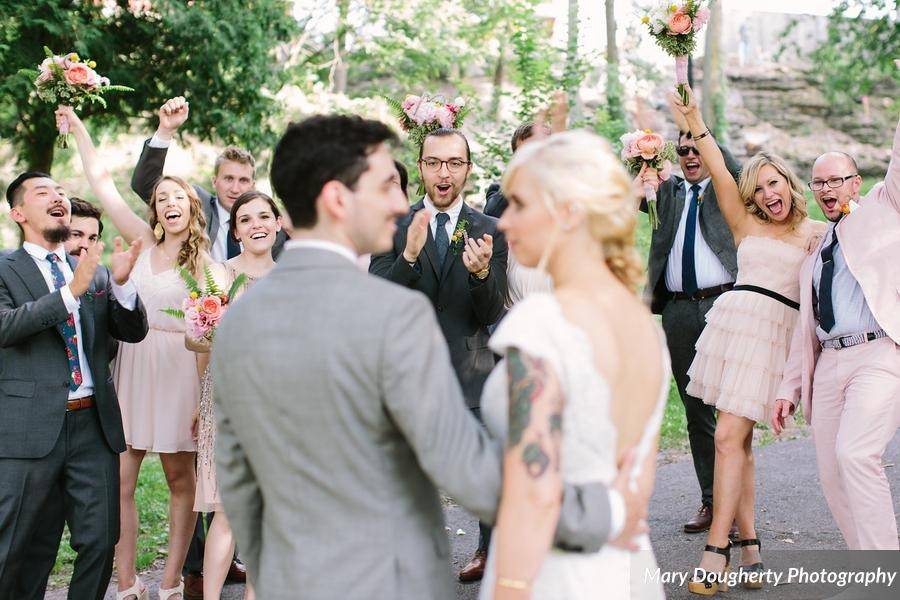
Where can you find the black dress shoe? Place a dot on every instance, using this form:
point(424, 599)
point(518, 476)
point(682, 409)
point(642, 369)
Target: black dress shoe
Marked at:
point(237, 572)
point(701, 521)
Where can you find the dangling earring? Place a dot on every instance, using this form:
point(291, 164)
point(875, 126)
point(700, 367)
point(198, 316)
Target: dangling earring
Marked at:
point(158, 231)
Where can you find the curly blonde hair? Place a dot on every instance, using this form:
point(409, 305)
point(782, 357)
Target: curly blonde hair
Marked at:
point(747, 188)
point(579, 168)
point(194, 250)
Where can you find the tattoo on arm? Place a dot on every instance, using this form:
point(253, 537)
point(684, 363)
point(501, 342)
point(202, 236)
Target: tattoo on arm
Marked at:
point(528, 381)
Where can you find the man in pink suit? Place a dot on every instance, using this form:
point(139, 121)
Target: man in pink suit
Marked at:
point(844, 362)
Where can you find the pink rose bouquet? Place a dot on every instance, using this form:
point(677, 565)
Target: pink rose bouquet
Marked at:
point(69, 80)
point(420, 115)
point(203, 309)
point(674, 25)
point(647, 150)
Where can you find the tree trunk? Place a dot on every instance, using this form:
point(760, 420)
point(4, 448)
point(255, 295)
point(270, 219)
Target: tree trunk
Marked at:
point(713, 85)
point(340, 48)
point(497, 88)
point(613, 85)
point(571, 76)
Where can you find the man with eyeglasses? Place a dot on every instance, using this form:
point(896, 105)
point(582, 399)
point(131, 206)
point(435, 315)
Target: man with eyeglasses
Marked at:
point(692, 261)
point(456, 256)
point(844, 361)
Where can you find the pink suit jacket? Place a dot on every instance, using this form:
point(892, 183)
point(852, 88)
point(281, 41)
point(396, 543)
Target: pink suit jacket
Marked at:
point(870, 241)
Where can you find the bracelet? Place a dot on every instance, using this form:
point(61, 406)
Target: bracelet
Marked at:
point(482, 274)
point(513, 584)
point(702, 135)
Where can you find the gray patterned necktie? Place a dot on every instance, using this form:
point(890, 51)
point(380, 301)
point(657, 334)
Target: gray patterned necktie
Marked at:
point(441, 240)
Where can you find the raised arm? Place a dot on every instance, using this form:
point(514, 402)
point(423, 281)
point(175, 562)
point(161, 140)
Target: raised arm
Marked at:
point(892, 179)
point(130, 225)
point(149, 168)
point(727, 194)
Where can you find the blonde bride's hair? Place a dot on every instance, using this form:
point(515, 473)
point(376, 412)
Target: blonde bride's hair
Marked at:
point(579, 168)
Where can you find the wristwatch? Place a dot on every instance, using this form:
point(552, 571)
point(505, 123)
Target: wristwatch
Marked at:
point(482, 274)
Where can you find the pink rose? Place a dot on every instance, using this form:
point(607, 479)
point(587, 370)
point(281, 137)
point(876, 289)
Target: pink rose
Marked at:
point(409, 102)
point(649, 145)
point(679, 23)
point(444, 117)
point(78, 74)
point(701, 18)
point(212, 307)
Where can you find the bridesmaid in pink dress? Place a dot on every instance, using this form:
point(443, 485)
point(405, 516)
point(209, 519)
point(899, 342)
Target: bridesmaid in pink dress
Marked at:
point(743, 349)
point(255, 221)
point(156, 380)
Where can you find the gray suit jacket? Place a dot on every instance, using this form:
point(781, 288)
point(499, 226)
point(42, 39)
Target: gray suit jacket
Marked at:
point(34, 370)
point(339, 417)
point(670, 205)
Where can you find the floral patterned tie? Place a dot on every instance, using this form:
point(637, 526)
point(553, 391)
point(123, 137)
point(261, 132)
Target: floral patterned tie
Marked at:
point(68, 328)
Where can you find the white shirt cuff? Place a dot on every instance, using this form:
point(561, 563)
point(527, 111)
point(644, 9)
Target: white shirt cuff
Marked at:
point(69, 299)
point(126, 295)
point(155, 142)
point(616, 514)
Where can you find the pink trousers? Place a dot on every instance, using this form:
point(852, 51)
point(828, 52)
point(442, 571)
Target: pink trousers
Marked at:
point(855, 413)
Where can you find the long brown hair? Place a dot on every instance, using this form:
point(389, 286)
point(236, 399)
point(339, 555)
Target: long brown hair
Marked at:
point(196, 246)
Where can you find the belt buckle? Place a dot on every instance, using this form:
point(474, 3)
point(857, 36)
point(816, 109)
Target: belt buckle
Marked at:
point(841, 342)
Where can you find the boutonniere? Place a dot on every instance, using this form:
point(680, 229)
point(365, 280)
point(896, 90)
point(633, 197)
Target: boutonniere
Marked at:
point(460, 236)
point(95, 293)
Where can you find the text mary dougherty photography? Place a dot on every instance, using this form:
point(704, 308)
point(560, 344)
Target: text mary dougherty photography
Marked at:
point(794, 575)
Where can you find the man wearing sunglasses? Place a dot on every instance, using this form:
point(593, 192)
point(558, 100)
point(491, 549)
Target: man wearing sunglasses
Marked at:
point(692, 261)
point(844, 361)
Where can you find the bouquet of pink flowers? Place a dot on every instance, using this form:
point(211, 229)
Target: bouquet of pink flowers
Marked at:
point(647, 150)
point(202, 310)
point(420, 115)
point(674, 24)
point(71, 81)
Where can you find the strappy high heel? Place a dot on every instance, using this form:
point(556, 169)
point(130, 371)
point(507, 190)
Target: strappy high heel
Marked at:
point(166, 594)
point(138, 590)
point(753, 579)
point(705, 587)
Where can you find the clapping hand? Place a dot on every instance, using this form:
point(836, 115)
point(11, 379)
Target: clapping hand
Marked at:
point(416, 235)
point(477, 254)
point(122, 261)
point(88, 261)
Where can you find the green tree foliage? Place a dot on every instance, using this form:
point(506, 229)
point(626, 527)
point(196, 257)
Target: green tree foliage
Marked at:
point(862, 41)
point(217, 53)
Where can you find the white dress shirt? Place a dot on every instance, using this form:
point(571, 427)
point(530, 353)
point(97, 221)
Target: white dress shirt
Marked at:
point(323, 245)
point(126, 295)
point(709, 269)
point(452, 212)
point(851, 311)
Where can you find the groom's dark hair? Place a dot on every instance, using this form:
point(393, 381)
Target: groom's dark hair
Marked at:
point(320, 149)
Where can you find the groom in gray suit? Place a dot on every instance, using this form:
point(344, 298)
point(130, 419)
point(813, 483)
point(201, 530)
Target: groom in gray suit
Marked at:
point(339, 414)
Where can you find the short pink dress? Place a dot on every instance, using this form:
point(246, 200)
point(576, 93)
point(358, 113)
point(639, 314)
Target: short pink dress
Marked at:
point(743, 348)
point(156, 379)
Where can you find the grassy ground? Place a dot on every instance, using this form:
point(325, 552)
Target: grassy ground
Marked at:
point(153, 511)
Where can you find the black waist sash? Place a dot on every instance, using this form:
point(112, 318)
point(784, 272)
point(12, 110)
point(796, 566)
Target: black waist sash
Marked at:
point(769, 293)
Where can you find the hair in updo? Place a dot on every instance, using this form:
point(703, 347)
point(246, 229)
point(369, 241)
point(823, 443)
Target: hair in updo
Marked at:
point(579, 168)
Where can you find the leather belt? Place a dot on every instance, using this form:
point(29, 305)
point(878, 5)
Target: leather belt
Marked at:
point(80, 403)
point(704, 293)
point(853, 340)
point(767, 292)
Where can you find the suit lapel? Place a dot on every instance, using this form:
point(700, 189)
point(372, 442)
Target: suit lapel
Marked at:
point(212, 218)
point(31, 276)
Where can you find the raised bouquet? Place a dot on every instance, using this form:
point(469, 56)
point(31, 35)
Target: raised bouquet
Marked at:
point(674, 24)
point(203, 309)
point(69, 80)
point(420, 115)
point(647, 150)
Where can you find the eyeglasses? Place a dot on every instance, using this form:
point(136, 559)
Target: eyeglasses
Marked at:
point(454, 165)
point(833, 182)
point(685, 150)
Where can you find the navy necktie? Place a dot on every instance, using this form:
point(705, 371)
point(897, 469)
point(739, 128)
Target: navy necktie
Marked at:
point(441, 239)
point(826, 309)
point(688, 268)
point(68, 328)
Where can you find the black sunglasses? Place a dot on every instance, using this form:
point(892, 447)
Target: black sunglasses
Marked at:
point(685, 150)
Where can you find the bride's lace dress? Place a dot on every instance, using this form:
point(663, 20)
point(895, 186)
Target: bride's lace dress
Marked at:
point(538, 327)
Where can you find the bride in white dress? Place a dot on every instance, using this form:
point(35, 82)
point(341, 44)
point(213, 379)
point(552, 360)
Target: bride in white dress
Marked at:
point(584, 377)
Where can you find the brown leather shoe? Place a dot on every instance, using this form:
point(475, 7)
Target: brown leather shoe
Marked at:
point(474, 571)
point(701, 521)
point(193, 587)
point(237, 572)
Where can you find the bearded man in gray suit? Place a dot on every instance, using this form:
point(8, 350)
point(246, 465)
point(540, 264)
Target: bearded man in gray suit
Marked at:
point(339, 413)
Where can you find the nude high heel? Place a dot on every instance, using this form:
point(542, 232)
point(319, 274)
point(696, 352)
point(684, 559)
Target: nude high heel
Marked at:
point(138, 590)
point(705, 587)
